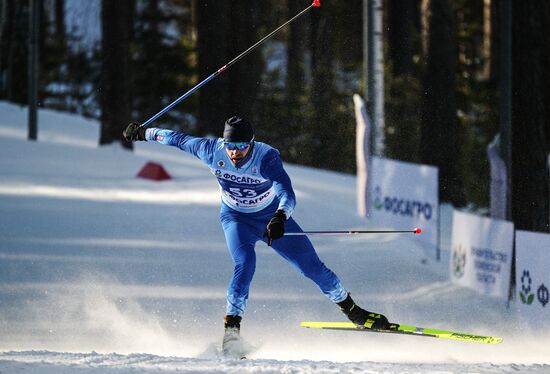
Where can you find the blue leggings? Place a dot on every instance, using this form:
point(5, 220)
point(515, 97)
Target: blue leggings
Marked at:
point(243, 230)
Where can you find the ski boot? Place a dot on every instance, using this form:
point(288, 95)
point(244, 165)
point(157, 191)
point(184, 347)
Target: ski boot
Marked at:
point(232, 345)
point(364, 319)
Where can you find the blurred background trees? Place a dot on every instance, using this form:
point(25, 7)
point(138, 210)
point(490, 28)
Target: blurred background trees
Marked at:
point(124, 60)
point(116, 23)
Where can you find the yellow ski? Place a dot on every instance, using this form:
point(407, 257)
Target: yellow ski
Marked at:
point(407, 330)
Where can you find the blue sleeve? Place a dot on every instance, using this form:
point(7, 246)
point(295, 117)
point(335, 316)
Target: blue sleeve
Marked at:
point(203, 148)
point(272, 168)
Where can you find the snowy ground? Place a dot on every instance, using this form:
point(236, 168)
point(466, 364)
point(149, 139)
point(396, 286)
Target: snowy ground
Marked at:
point(102, 272)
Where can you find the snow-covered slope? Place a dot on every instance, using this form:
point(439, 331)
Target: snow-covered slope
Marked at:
point(94, 260)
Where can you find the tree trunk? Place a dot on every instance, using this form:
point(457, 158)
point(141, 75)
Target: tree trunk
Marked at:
point(295, 78)
point(490, 40)
point(4, 44)
point(545, 13)
point(295, 54)
point(529, 117)
point(15, 51)
point(212, 29)
point(245, 76)
point(150, 69)
point(425, 25)
point(59, 19)
point(403, 90)
point(321, 130)
point(402, 28)
point(439, 133)
point(115, 98)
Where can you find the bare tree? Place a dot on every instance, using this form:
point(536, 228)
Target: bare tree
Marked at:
point(403, 19)
point(402, 101)
point(59, 19)
point(13, 55)
point(439, 132)
point(530, 203)
point(115, 97)
point(244, 78)
point(490, 40)
point(212, 26)
point(295, 82)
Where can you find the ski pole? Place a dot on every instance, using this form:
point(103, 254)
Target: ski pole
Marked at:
point(416, 231)
point(316, 3)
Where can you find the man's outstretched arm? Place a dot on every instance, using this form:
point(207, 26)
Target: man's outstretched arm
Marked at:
point(203, 148)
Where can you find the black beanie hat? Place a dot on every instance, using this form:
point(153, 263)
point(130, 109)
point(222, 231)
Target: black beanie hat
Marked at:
point(238, 129)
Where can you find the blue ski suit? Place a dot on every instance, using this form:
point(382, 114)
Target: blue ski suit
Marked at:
point(251, 192)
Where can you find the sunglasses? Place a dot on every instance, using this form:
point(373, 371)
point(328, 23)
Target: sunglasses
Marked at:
point(241, 146)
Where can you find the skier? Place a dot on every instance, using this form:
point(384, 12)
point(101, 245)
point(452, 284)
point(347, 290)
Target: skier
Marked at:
point(257, 204)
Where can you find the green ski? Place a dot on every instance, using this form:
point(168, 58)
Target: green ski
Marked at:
point(407, 330)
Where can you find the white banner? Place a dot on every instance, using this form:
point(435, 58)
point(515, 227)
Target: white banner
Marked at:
point(533, 278)
point(481, 255)
point(404, 196)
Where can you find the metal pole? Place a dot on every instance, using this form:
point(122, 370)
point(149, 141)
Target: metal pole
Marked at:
point(416, 231)
point(34, 13)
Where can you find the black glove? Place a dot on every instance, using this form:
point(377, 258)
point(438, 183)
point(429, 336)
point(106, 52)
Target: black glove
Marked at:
point(276, 227)
point(134, 132)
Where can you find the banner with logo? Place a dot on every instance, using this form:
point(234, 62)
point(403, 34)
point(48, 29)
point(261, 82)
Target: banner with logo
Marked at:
point(404, 196)
point(533, 278)
point(481, 253)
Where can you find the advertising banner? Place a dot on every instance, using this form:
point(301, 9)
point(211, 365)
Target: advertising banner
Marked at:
point(533, 278)
point(404, 196)
point(481, 253)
